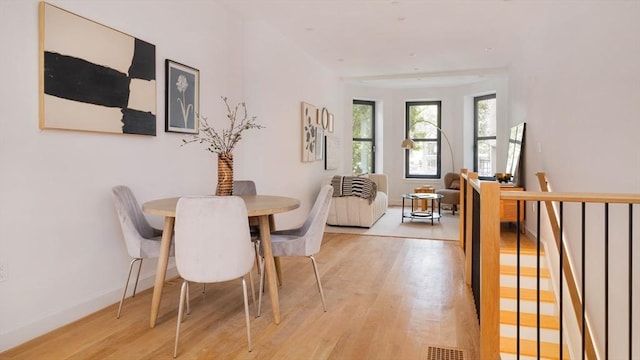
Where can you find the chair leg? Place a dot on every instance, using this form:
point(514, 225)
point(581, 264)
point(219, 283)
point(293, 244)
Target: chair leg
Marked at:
point(261, 287)
point(135, 286)
point(256, 247)
point(315, 270)
point(246, 312)
point(126, 284)
point(183, 293)
point(253, 293)
point(188, 300)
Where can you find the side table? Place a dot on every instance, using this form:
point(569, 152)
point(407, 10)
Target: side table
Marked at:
point(419, 214)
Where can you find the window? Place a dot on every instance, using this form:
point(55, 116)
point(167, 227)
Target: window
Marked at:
point(484, 110)
point(424, 160)
point(364, 144)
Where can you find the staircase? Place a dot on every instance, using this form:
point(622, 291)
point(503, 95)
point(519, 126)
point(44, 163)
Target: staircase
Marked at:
point(549, 326)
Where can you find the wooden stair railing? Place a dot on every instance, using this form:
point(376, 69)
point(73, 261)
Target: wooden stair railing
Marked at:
point(569, 276)
point(484, 197)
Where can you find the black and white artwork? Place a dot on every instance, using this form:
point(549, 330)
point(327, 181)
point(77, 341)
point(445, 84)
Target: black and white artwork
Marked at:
point(94, 78)
point(181, 98)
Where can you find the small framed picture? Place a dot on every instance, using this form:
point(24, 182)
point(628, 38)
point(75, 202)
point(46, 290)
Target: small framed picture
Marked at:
point(182, 98)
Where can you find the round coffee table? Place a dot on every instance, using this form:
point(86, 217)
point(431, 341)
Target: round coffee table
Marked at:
point(422, 214)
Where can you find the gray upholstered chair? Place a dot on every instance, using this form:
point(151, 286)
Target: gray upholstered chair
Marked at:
point(303, 241)
point(212, 244)
point(142, 240)
point(451, 191)
point(244, 187)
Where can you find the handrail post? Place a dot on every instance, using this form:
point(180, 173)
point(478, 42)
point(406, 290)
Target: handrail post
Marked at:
point(490, 270)
point(461, 209)
point(468, 266)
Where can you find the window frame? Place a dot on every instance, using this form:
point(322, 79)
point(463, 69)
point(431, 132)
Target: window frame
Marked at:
point(437, 139)
point(476, 138)
point(372, 140)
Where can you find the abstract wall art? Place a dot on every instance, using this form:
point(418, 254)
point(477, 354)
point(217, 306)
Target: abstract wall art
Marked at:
point(94, 78)
point(309, 132)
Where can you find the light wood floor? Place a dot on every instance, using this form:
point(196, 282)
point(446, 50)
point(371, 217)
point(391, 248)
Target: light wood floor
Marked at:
point(387, 298)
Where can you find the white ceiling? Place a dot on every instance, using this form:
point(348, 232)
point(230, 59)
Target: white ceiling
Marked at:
point(406, 43)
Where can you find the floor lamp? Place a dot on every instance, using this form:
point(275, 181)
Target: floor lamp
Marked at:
point(410, 144)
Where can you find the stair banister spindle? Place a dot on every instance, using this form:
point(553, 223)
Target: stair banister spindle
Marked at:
point(538, 279)
point(606, 281)
point(560, 292)
point(518, 279)
point(630, 281)
point(584, 268)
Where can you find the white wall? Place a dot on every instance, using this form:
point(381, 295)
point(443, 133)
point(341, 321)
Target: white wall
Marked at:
point(58, 229)
point(279, 78)
point(577, 85)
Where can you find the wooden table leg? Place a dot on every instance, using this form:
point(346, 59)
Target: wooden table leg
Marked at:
point(276, 260)
point(161, 272)
point(269, 265)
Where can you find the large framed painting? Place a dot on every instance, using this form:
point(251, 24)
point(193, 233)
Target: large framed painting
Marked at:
point(181, 98)
point(93, 77)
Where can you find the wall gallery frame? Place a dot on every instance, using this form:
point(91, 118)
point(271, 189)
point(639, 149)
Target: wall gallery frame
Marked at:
point(315, 123)
point(332, 153)
point(309, 132)
point(93, 77)
point(182, 98)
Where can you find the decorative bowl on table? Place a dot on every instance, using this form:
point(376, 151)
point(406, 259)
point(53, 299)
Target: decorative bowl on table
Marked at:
point(503, 177)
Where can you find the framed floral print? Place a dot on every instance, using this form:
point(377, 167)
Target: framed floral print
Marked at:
point(182, 94)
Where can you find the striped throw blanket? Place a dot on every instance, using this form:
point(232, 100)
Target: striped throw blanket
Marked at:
point(354, 186)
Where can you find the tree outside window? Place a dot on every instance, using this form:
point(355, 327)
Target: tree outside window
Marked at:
point(485, 136)
point(363, 118)
point(424, 160)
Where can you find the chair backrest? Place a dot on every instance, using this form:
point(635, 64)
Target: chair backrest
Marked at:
point(449, 178)
point(313, 227)
point(135, 227)
point(212, 241)
point(244, 187)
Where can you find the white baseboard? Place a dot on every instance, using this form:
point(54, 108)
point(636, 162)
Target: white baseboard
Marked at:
point(31, 331)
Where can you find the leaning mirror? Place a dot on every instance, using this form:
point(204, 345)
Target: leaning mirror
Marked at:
point(514, 152)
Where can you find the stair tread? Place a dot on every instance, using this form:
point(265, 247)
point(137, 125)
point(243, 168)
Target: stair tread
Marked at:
point(523, 250)
point(527, 294)
point(529, 320)
point(529, 348)
point(524, 271)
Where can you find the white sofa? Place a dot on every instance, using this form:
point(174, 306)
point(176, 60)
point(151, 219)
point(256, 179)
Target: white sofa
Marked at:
point(356, 211)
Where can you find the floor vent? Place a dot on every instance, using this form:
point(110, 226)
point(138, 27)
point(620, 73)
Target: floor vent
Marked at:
point(443, 353)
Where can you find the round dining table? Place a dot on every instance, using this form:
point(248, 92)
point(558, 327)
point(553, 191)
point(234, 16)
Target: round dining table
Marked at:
point(258, 206)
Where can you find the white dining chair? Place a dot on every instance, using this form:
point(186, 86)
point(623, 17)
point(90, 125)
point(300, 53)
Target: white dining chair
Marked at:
point(248, 187)
point(302, 241)
point(212, 244)
point(142, 240)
